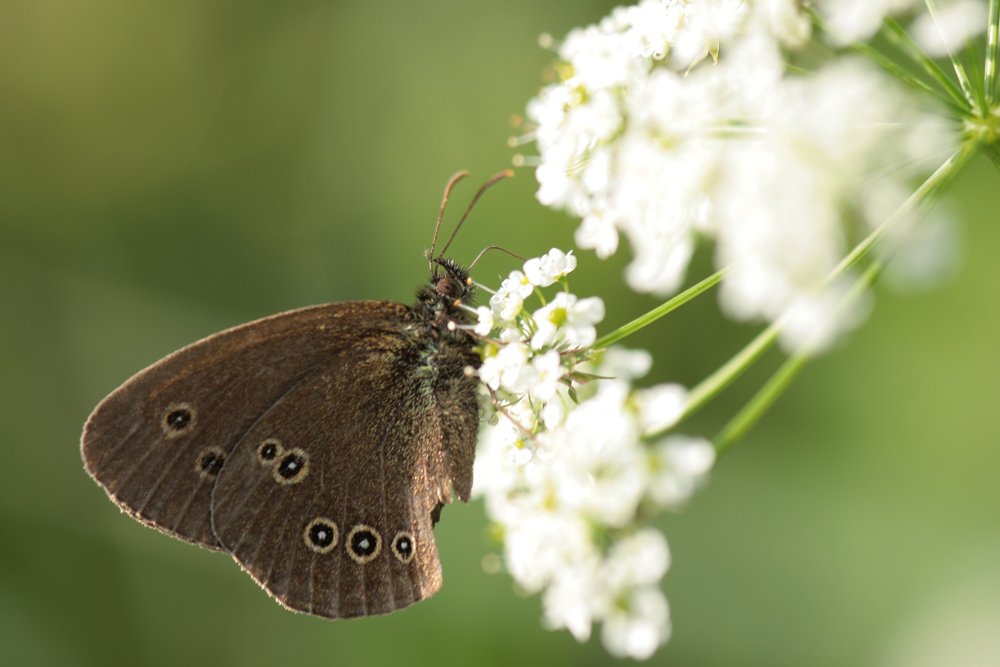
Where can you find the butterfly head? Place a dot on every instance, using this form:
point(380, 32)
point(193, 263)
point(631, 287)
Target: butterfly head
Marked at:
point(448, 294)
point(452, 282)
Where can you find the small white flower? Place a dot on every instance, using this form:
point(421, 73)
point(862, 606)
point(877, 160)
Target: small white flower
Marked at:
point(853, 20)
point(638, 625)
point(510, 427)
point(785, 20)
point(678, 464)
point(639, 559)
point(598, 232)
point(956, 23)
point(705, 24)
point(508, 369)
point(519, 454)
point(568, 320)
point(515, 372)
point(599, 60)
point(554, 182)
point(518, 282)
point(624, 364)
point(597, 119)
point(542, 544)
point(597, 467)
point(552, 415)
point(653, 25)
point(506, 306)
point(550, 267)
point(510, 335)
point(547, 371)
point(509, 299)
point(490, 372)
point(486, 322)
point(569, 599)
point(660, 407)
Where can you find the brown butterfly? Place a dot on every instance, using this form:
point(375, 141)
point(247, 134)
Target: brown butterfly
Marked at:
point(316, 446)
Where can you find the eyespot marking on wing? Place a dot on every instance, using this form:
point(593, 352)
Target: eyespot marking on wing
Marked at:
point(292, 467)
point(178, 419)
point(404, 546)
point(210, 462)
point(321, 535)
point(363, 543)
point(269, 450)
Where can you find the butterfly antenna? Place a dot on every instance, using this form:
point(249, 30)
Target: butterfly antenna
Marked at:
point(493, 247)
point(506, 173)
point(447, 191)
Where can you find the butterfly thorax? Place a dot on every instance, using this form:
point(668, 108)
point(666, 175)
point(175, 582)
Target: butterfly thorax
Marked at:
point(440, 318)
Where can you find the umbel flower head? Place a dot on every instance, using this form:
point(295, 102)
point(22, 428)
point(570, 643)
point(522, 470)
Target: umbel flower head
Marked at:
point(572, 468)
point(675, 120)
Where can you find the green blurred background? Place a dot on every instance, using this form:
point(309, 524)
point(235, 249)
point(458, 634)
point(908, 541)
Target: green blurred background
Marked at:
point(169, 169)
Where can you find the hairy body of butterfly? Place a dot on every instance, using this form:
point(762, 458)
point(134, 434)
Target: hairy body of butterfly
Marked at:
point(316, 446)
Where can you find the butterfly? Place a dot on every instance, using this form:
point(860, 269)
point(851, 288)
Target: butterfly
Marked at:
point(316, 446)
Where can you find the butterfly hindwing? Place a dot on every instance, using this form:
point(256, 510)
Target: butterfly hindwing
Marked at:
point(328, 499)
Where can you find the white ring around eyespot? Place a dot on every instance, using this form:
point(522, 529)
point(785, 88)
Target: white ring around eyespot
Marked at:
point(279, 451)
point(349, 543)
point(413, 546)
point(318, 549)
point(299, 476)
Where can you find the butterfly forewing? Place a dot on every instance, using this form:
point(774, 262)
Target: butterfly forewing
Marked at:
point(158, 442)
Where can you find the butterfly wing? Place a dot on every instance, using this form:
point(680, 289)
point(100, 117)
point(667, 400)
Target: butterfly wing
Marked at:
point(329, 499)
point(158, 443)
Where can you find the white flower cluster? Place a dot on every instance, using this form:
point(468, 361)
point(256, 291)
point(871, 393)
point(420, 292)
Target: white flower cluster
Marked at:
point(646, 135)
point(955, 23)
point(566, 470)
point(852, 20)
point(957, 20)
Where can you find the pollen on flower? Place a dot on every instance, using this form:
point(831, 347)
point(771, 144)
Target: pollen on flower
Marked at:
point(550, 267)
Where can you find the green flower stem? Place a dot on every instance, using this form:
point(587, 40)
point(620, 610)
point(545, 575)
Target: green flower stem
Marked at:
point(751, 413)
point(990, 74)
point(795, 69)
point(959, 108)
point(977, 77)
point(711, 386)
point(903, 39)
point(963, 78)
point(896, 34)
point(934, 182)
point(660, 310)
point(992, 152)
point(890, 66)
